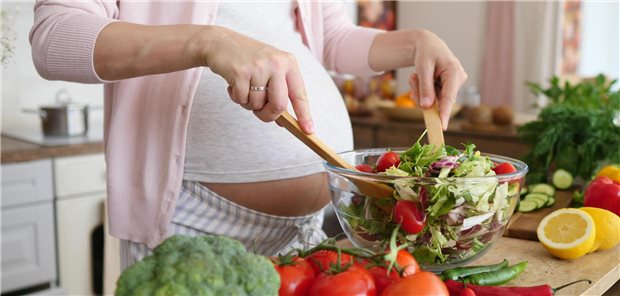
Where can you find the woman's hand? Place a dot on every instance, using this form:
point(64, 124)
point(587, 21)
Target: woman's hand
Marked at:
point(125, 50)
point(436, 66)
point(438, 74)
point(261, 78)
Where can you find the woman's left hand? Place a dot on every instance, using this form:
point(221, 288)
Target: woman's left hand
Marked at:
point(438, 74)
point(436, 67)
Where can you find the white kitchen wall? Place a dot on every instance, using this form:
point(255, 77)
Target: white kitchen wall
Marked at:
point(460, 24)
point(22, 87)
point(600, 42)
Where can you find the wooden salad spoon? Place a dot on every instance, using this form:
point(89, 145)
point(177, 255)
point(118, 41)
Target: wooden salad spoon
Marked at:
point(369, 188)
point(433, 125)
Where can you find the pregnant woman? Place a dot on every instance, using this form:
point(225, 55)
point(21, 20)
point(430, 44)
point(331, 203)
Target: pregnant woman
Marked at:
point(191, 89)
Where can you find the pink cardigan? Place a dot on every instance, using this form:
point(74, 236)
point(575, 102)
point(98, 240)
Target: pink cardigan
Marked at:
point(146, 117)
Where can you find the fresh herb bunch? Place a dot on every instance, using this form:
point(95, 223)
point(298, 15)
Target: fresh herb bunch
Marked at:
point(577, 131)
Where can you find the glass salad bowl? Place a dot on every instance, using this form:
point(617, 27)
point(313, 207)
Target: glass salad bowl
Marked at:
point(461, 212)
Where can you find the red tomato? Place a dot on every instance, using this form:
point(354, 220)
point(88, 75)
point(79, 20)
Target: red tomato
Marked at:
point(387, 160)
point(295, 278)
point(410, 216)
point(407, 262)
point(504, 168)
point(354, 281)
point(603, 193)
point(364, 168)
point(382, 278)
point(323, 259)
point(421, 283)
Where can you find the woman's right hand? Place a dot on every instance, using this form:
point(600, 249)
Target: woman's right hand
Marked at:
point(245, 62)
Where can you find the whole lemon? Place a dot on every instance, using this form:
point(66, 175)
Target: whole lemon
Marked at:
point(607, 228)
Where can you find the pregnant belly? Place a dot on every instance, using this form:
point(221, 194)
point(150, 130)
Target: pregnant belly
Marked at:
point(289, 197)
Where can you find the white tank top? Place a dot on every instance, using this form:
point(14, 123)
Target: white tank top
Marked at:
point(228, 144)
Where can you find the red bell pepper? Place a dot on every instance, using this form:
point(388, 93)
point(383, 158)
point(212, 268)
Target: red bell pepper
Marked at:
point(603, 193)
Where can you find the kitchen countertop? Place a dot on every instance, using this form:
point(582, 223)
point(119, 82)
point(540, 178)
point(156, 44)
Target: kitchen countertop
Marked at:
point(602, 267)
point(15, 150)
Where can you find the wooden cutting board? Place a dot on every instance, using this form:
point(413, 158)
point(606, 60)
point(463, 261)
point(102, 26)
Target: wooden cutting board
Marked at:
point(523, 225)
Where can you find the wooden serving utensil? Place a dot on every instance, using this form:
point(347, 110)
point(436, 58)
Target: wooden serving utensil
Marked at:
point(433, 125)
point(369, 188)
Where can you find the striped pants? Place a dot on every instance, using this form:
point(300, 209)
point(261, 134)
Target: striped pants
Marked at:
point(202, 211)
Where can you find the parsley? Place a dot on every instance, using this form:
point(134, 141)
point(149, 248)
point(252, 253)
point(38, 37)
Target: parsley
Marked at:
point(576, 131)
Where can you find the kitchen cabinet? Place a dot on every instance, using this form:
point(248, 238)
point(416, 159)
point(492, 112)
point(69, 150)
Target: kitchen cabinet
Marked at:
point(80, 192)
point(28, 241)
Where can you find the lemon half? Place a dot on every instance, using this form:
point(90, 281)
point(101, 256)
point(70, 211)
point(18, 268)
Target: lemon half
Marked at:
point(567, 233)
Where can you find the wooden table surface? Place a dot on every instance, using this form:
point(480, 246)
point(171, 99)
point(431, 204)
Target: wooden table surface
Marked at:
point(602, 267)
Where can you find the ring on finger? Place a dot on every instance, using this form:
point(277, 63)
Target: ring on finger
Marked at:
point(258, 88)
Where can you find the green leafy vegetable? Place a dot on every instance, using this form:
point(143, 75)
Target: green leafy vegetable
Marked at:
point(576, 131)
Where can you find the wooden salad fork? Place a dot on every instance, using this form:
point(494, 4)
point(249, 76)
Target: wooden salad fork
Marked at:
point(366, 187)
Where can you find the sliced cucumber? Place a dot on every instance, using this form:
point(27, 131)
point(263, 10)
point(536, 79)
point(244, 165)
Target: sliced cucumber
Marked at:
point(524, 191)
point(550, 202)
point(542, 188)
point(538, 198)
point(527, 206)
point(562, 179)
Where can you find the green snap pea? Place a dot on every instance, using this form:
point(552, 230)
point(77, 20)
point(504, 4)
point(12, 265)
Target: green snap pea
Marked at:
point(498, 277)
point(461, 272)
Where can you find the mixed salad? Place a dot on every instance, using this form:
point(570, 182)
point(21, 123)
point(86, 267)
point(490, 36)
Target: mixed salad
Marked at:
point(449, 215)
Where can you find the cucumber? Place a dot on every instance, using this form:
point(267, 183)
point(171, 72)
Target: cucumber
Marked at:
point(550, 202)
point(524, 191)
point(542, 188)
point(527, 206)
point(538, 198)
point(562, 179)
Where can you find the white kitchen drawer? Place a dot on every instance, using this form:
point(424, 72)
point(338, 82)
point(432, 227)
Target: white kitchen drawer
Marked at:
point(26, 182)
point(79, 175)
point(28, 247)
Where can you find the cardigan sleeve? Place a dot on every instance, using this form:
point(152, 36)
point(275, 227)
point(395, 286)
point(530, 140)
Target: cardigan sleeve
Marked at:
point(346, 46)
point(63, 37)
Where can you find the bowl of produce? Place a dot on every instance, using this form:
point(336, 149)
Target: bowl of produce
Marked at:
point(449, 205)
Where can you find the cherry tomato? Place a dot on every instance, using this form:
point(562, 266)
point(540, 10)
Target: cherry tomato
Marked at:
point(410, 216)
point(364, 168)
point(382, 278)
point(421, 283)
point(504, 168)
point(356, 280)
point(295, 278)
point(407, 262)
point(387, 160)
point(323, 259)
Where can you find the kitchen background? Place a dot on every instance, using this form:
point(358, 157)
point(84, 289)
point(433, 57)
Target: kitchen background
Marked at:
point(74, 188)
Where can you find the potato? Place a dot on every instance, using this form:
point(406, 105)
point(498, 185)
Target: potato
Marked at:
point(502, 115)
point(481, 114)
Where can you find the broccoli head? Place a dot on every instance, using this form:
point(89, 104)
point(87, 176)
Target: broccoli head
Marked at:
point(202, 265)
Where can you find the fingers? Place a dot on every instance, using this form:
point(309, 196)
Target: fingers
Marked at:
point(415, 92)
point(277, 100)
point(257, 98)
point(299, 99)
point(426, 85)
point(240, 90)
point(447, 97)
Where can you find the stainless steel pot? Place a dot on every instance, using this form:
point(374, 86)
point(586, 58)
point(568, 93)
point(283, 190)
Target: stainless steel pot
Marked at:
point(63, 118)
